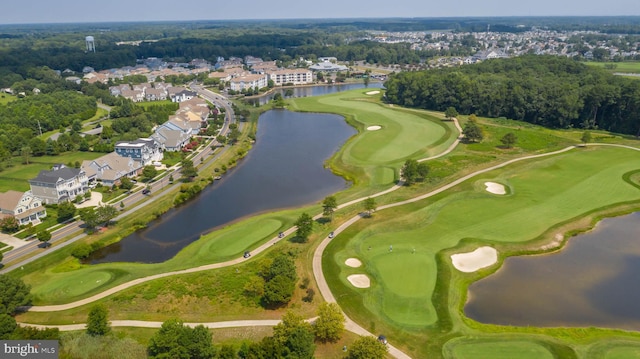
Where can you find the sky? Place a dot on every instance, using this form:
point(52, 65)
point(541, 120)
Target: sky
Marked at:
point(73, 11)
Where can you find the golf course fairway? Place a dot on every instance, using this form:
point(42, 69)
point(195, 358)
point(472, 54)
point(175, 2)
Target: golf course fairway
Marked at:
point(545, 193)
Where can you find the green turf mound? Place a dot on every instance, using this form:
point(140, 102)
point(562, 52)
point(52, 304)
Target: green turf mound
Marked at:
point(468, 348)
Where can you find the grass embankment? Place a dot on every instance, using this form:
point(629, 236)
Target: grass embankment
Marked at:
point(413, 296)
point(543, 193)
point(373, 158)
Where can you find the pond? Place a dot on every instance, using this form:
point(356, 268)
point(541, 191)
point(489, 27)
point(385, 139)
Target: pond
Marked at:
point(284, 169)
point(593, 281)
point(318, 90)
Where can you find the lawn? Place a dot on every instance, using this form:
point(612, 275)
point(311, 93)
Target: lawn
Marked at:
point(470, 348)
point(5, 98)
point(544, 193)
point(632, 67)
point(69, 281)
point(17, 177)
point(373, 158)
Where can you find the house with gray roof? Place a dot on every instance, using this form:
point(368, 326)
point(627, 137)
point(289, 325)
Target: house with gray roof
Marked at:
point(60, 184)
point(111, 168)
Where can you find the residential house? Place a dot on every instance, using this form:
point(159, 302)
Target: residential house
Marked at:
point(60, 184)
point(133, 95)
point(183, 95)
point(24, 206)
point(291, 76)
point(248, 82)
point(250, 60)
point(143, 150)
point(155, 94)
point(171, 137)
point(111, 168)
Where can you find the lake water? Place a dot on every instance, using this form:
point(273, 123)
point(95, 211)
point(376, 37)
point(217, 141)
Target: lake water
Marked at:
point(593, 281)
point(314, 91)
point(284, 169)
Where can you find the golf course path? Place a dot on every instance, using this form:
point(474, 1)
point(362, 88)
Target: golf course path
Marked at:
point(145, 324)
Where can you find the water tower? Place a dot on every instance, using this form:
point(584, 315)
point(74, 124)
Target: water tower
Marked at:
point(91, 45)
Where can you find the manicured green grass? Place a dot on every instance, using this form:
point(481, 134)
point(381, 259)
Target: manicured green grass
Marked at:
point(373, 158)
point(625, 67)
point(64, 282)
point(544, 192)
point(17, 177)
point(468, 348)
point(147, 104)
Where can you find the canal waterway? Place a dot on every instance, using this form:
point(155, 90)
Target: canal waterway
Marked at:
point(307, 91)
point(285, 168)
point(593, 281)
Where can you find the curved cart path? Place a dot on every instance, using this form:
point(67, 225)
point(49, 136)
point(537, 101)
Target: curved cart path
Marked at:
point(316, 261)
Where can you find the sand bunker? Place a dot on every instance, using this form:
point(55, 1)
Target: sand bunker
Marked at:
point(359, 280)
point(373, 128)
point(495, 188)
point(472, 261)
point(373, 92)
point(353, 262)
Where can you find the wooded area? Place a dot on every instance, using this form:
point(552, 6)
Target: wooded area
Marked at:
point(545, 90)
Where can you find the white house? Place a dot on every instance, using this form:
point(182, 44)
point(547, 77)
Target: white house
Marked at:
point(61, 184)
point(24, 206)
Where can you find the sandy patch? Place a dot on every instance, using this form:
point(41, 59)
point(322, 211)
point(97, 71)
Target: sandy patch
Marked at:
point(374, 128)
point(373, 92)
point(353, 262)
point(359, 280)
point(495, 188)
point(472, 261)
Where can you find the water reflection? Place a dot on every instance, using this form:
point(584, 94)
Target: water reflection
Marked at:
point(313, 91)
point(593, 281)
point(284, 169)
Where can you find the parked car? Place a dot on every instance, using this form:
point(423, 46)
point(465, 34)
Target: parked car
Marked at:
point(247, 254)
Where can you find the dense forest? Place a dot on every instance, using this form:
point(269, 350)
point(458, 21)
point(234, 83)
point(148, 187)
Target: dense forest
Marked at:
point(546, 90)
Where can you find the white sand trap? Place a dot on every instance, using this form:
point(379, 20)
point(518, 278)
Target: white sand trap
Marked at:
point(495, 188)
point(353, 262)
point(359, 280)
point(374, 128)
point(373, 92)
point(472, 261)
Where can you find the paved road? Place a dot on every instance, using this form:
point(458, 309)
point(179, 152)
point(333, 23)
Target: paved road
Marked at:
point(77, 227)
point(317, 256)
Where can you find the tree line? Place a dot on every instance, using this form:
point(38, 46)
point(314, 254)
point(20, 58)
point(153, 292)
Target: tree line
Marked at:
point(546, 90)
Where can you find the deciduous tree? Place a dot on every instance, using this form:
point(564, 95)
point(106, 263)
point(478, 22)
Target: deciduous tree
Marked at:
point(97, 322)
point(305, 226)
point(329, 204)
point(330, 323)
point(13, 294)
point(509, 140)
point(472, 132)
point(367, 348)
point(44, 236)
point(369, 205)
point(66, 211)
